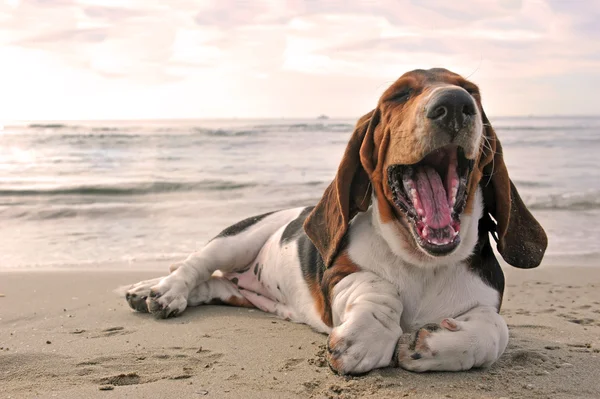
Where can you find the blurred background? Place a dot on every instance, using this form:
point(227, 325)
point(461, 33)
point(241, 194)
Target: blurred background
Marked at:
point(132, 131)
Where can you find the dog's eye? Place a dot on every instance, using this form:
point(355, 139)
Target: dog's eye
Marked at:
point(401, 96)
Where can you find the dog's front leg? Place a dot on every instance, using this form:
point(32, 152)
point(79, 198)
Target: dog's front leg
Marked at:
point(475, 339)
point(366, 318)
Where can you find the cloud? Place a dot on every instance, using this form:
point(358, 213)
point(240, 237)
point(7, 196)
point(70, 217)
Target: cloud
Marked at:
point(90, 35)
point(228, 14)
point(111, 14)
point(249, 47)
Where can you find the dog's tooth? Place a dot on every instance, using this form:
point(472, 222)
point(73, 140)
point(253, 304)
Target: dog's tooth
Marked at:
point(453, 232)
point(414, 196)
point(408, 184)
point(416, 202)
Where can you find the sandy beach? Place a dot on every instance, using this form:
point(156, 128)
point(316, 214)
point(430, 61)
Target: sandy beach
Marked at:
point(67, 334)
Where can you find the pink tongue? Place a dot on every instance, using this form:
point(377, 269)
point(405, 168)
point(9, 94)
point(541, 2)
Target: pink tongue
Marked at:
point(433, 198)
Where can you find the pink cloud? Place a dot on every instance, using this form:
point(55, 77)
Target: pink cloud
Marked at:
point(252, 47)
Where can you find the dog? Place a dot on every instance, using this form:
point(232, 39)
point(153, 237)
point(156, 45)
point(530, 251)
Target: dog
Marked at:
point(394, 262)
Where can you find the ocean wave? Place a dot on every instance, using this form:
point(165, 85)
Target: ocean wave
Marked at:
point(123, 189)
point(64, 126)
point(49, 126)
point(102, 211)
point(226, 132)
point(60, 132)
point(108, 129)
point(546, 128)
point(307, 127)
point(531, 184)
point(559, 142)
point(275, 128)
point(99, 136)
point(568, 201)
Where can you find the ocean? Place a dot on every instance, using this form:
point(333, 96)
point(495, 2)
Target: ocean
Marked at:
point(89, 194)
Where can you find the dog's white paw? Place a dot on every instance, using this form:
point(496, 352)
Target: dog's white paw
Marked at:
point(356, 348)
point(136, 294)
point(435, 347)
point(168, 298)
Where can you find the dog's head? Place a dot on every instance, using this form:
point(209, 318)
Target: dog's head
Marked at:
point(420, 156)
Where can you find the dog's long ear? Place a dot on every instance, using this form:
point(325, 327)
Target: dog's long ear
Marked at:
point(348, 194)
point(483, 261)
point(521, 240)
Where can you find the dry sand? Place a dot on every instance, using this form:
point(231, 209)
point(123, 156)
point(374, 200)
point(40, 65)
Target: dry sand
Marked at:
point(65, 334)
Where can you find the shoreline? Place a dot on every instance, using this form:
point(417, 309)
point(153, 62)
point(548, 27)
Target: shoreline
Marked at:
point(66, 333)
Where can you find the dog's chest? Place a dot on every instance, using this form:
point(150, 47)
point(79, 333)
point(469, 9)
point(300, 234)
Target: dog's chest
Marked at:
point(428, 294)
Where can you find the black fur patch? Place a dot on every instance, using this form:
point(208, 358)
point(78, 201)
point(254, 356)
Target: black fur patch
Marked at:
point(295, 228)
point(311, 262)
point(484, 262)
point(242, 225)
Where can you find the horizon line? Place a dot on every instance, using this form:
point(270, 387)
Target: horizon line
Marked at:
point(8, 122)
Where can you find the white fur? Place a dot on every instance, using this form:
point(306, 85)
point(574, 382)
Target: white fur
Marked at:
point(281, 268)
point(366, 315)
point(480, 337)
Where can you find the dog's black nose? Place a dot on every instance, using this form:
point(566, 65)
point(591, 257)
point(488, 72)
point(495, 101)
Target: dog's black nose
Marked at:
point(451, 109)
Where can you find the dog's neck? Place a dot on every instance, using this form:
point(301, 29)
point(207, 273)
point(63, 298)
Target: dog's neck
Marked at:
point(406, 252)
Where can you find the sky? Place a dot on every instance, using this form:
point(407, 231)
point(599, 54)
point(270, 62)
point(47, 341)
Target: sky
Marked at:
point(146, 59)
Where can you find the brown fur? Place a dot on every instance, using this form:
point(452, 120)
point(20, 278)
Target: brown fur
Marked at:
point(347, 195)
point(322, 292)
point(317, 294)
point(333, 352)
point(396, 133)
point(232, 301)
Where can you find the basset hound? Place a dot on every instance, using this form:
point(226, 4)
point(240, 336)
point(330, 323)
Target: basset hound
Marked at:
point(394, 263)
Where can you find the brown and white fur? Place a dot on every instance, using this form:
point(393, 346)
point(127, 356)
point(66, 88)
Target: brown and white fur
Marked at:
point(355, 266)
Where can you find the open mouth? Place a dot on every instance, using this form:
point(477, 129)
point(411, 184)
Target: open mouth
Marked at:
point(433, 194)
